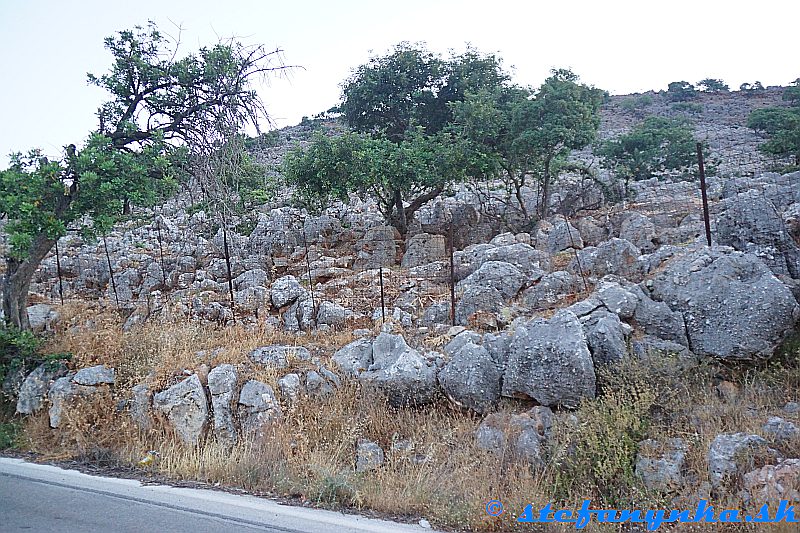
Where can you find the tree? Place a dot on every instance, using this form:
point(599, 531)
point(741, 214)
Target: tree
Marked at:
point(158, 105)
point(656, 145)
point(402, 177)
point(517, 133)
point(712, 85)
point(792, 93)
point(399, 151)
point(393, 94)
point(681, 91)
point(750, 89)
point(782, 125)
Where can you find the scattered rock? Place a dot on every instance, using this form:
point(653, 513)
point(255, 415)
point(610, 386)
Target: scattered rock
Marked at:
point(369, 456)
point(258, 408)
point(471, 378)
point(222, 385)
point(94, 375)
point(291, 388)
point(278, 356)
point(401, 372)
point(562, 237)
point(780, 429)
point(549, 361)
point(36, 385)
point(773, 483)
point(730, 454)
point(186, 407)
point(660, 464)
point(354, 358)
point(424, 248)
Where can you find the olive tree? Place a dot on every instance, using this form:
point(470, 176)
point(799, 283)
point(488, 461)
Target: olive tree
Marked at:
point(159, 105)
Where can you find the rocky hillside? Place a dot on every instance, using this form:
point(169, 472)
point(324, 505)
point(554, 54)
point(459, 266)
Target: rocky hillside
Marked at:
point(544, 322)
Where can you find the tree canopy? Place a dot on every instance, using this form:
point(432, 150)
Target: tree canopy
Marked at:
point(712, 85)
point(655, 145)
point(159, 107)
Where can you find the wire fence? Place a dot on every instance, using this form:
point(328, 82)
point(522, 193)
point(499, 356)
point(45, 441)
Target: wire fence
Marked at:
point(375, 274)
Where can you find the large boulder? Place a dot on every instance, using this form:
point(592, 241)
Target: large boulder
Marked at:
point(615, 256)
point(62, 391)
point(424, 248)
point(285, 291)
point(354, 358)
point(550, 361)
point(378, 248)
point(606, 337)
point(750, 223)
point(95, 375)
point(562, 237)
point(258, 408)
point(478, 299)
point(657, 319)
point(186, 406)
point(731, 455)
point(732, 304)
point(551, 290)
point(504, 277)
point(640, 231)
point(660, 464)
point(401, 372)
point(41, 317)
point(35, 386)
point(471, 378)
point(222, 386)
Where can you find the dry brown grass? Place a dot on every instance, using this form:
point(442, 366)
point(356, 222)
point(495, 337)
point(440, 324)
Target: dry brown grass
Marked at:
point(442, 475)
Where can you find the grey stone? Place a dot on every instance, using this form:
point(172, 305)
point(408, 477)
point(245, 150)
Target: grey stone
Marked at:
point(291, 388)
point(139, 406)
point(471, 378)
point(285, 291)
point(605, 336)
point(251, 278)
point(562, 237)
point(780, 429)
point(316, 385)
point(424, 248)
point(369, 456)
point(476, 299)
point(377, 249)
point(617, 299)
point(733, 306)
point(222, 385)
point(520, 437)
point(278, 355)
point(331, 314)
point(660, 464)
point(657, 319)
point(750, 223)
point(615, 256)
point(552, 289)
point(549, 361)
point(41, 317)
point(402, 373)
point(504, 277)
point(640, 231)
point(731, 454)
point(94, 375)
point(664, 355)
point(35, 386)
point(355, 357)
point(463, 338)
point(186, 406)
point(258, 408)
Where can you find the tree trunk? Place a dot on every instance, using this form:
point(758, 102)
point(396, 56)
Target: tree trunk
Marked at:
point(400, 213)
point(17, 282)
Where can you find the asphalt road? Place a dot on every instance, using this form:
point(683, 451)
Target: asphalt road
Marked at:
point(44, 498)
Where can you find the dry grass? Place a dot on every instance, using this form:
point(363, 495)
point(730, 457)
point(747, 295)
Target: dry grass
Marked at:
point(439, 474)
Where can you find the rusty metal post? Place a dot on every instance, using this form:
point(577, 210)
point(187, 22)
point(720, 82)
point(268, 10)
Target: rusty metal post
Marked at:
point(706, 217)
point(383, 299)
point(452, 280)
point(58, 269)
point(228, 263)
point(577, 255)
point(111, 272)
point(161, 253)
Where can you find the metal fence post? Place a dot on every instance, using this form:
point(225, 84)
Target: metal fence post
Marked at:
point(706, 217)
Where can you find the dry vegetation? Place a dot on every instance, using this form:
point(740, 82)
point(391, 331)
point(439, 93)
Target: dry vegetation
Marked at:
point(433, 468)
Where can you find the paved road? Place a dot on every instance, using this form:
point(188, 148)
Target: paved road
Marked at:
point(44, 498)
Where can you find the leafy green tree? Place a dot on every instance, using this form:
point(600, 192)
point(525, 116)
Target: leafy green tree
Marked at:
point(159, 105)
point(411, 86)
point(681, 91)
point(782, 125)
point(516, 133)
point(656, 145)
point(792, 93)
point(750, 89)
point(712, 85)
point(401, 177)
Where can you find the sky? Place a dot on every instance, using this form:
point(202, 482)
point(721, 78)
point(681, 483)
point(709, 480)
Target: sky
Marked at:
point(47, 47)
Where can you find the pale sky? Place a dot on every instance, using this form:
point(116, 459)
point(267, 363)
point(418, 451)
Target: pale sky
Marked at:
point(623, 46)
